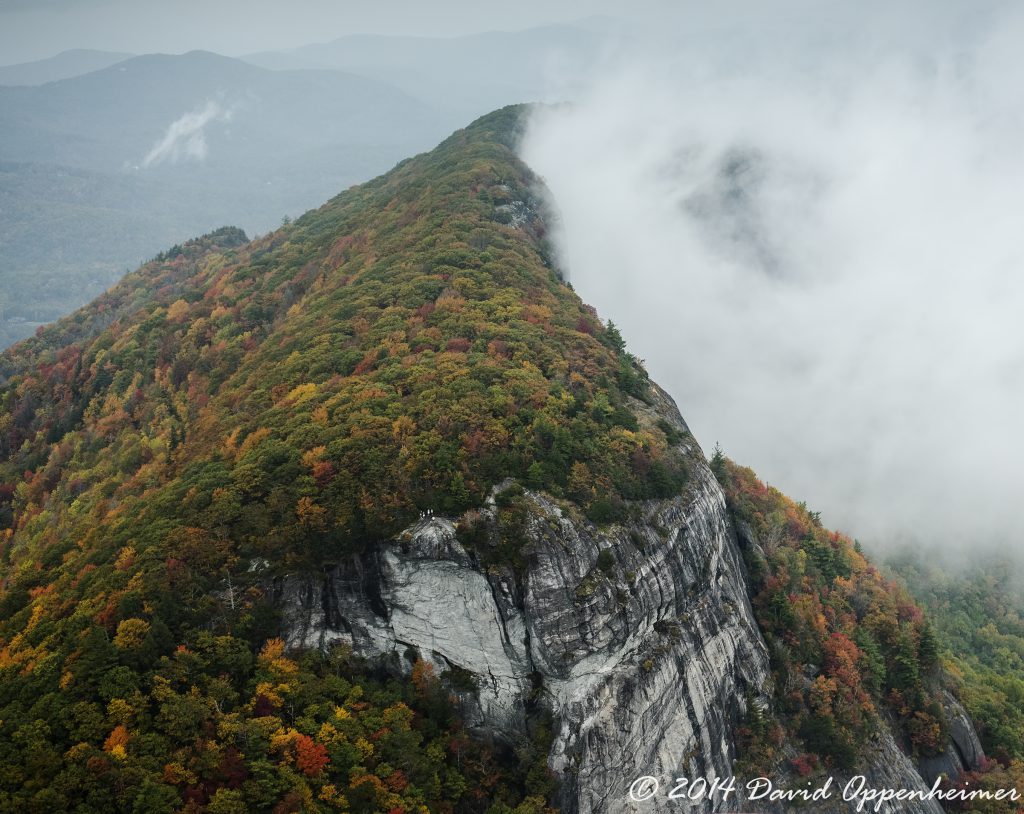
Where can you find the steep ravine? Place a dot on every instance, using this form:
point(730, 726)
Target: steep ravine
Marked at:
point(645, 657)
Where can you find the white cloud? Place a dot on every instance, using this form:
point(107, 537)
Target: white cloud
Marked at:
point(818, 249)
point(186, 136)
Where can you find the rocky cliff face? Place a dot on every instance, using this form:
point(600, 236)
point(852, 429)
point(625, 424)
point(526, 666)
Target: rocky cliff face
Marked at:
point(638, 637)
point(964, 751)
point(645, 654)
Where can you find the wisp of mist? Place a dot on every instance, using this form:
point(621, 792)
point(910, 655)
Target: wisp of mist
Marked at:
point(821, 259)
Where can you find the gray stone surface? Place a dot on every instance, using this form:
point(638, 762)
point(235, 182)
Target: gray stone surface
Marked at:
point(646, 663)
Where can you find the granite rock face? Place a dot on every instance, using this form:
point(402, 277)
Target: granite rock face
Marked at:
point(638, 637)
point(964, 751)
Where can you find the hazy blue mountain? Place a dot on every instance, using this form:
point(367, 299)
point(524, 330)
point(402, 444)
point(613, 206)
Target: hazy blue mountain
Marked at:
point(62, 66)
point(282, 61)
point(470, 73)
point(101, 171)
point(112, 119)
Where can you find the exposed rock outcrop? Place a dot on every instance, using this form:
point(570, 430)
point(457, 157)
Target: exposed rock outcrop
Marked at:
point(964, 751)
point(645, 654)
point(639, 637)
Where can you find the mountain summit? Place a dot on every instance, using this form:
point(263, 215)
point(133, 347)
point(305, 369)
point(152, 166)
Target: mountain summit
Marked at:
point(374, 514)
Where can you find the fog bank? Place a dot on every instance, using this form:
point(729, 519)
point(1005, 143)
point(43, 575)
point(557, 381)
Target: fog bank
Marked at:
point(812, 233)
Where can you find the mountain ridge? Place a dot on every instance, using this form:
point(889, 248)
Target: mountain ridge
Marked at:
point(66, 64)
point(379, 435)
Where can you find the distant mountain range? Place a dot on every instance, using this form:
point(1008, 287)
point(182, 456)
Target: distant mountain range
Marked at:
point(103, 170)
point(108, 158)
point(203, 108)
point(64, 65)
point(472, 73)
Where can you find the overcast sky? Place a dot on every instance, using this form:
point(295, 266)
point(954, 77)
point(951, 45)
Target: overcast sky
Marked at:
point(35, 29)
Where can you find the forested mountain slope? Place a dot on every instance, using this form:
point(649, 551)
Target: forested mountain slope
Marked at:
point(852, 653)
point(978, 609)
point(374, 514)
point(293, 400)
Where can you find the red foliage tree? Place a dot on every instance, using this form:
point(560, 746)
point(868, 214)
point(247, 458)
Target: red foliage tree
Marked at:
point(310, 756)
